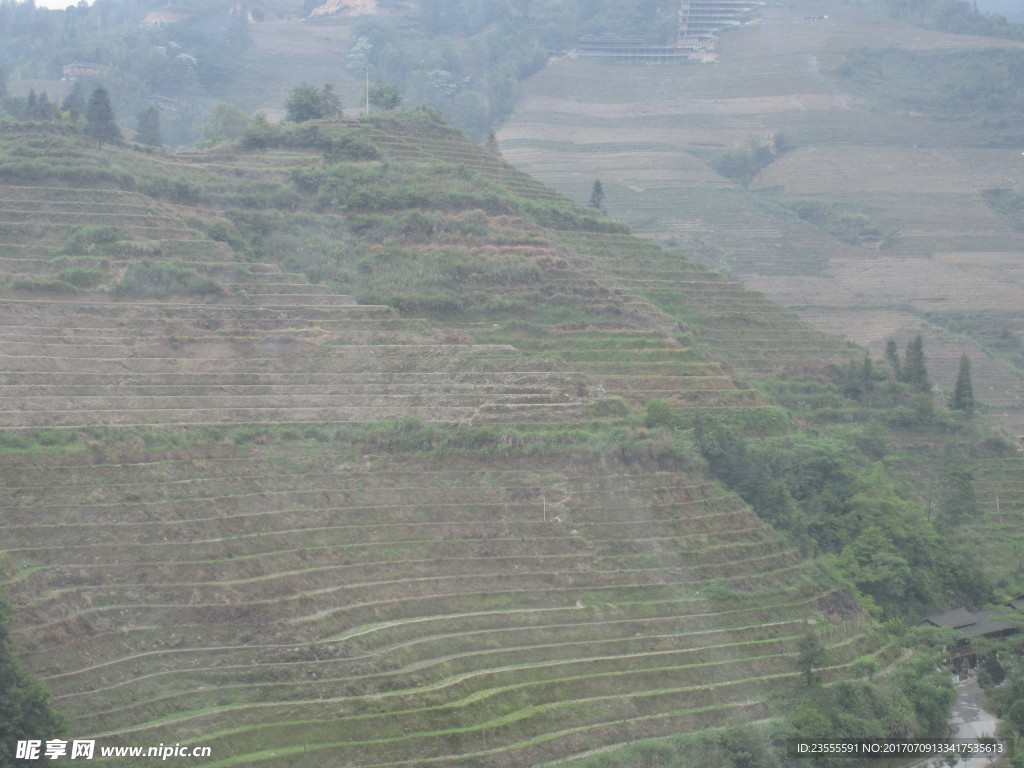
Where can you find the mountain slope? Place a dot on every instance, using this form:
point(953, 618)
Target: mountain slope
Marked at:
point(331, 451)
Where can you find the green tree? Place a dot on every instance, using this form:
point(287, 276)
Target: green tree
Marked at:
point(307, 102)
point(915, 372)
point(1014, 718)
point(991, 673)
point(25, 711)
point(99, 118)
point(597, 196)
point(959, 502)
point(3, 84)
point(892, 356)
point(492, 143)
point(75, 100)
point(224, 122)
point(260, 134)
point(963, 391)
point(44, 109)
point(810, 653)
point(385, 95)
point(149, 127)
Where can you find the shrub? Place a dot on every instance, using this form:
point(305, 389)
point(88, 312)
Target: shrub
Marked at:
point(743, 165)
point(658, 413)
point(82, 277)
point(89, 238)
point(156, 280)
point(48, 283)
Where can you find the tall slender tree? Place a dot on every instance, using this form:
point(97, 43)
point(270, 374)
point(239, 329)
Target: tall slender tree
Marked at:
point(597, 196)
point(44, 109)
point(149, 127)
point(915, 372)
point(75, 100)
point(963, 391)
point(892, 356)
point(99, 118)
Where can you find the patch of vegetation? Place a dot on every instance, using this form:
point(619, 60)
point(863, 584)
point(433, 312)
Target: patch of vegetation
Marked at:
point(437, 281)
point(148, 279)
point(912, 702)
point(957, 16)
point(91, 238)
point(942, 83)
point(831, 494)
point(33, 440)
point(399, 186)
point(993, 332)
point(1008, 204)
point(46, 283)
point(336, 142)
point(851, 227)
point(743, 165)
point(320, 247)
point(82, 277)
point(25, 708)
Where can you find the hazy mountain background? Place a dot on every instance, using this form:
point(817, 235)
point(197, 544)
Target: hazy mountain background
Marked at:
point(1013, 10)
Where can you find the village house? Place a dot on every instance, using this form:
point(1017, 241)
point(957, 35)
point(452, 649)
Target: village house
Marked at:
point(993, 623)
point(77, 69)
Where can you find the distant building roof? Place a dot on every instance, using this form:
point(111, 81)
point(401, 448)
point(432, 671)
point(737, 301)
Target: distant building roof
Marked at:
point(160, 18)
point(1017, 603)
point(615, 46)
point(77, 68)
point(982, 623)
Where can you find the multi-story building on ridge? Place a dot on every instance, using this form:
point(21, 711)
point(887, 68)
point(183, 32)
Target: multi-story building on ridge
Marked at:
point(701, 20)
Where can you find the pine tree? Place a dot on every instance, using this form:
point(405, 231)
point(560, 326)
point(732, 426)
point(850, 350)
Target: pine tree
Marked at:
point(597, 196)
point(3, 84)
point(99, 118)
point(30, 105)
point(75, 101)
point(44, 110)
point(149, 127)
point(892, 356)
point(915, 372)
point(810, 653)
point(963, 392)
point(492, 143)
point(867, 373)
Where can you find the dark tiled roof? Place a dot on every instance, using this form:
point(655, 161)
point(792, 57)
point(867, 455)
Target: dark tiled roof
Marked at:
point(972, 624)
point(957, 618)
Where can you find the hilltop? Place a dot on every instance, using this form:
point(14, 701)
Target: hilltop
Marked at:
point(351, 442)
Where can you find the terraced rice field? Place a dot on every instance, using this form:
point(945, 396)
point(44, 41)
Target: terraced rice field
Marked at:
point(394, 609)
point(306, 531)
point(651, 134)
